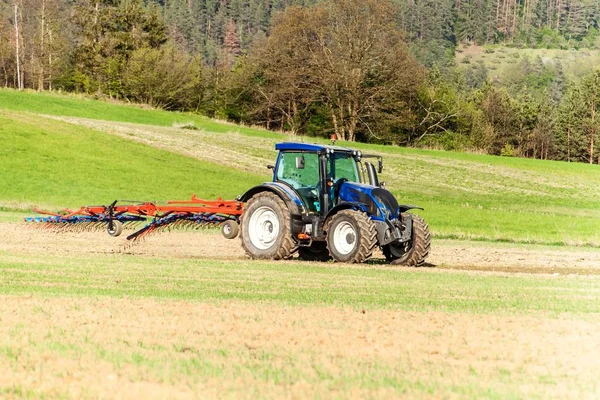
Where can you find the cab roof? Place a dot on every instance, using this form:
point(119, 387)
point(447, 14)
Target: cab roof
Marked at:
point(293, 146)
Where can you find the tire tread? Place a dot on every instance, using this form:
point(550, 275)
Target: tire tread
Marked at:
point(367, 233)
point(288, 245)
point(421, 245)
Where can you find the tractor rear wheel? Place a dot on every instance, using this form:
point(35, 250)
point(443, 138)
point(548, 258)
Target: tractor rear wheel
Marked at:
point(414, 252)
point(315, 252)
point(266, 228)
point(351, 236)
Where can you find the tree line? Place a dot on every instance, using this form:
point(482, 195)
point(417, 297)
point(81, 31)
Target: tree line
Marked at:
point(367, 70)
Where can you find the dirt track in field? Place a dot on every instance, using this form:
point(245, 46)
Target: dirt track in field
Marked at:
point(124, 348)
point(445, 254)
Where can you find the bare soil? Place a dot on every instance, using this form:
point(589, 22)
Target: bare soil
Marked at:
point(123, 348)
point(445, 255)
point(87, 347)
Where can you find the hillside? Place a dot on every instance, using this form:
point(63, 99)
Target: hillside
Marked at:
point(503, 63)
point(56, 164)
point(62, 151)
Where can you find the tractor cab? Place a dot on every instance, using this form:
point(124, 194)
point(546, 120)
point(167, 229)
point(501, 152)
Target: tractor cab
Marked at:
point(317, 172)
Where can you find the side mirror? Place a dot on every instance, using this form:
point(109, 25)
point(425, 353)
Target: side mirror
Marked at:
point(300, 162)
point(379, 166)
point(371, 174)
point(269, 166)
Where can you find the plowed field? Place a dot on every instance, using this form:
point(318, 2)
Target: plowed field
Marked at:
point(187, 315)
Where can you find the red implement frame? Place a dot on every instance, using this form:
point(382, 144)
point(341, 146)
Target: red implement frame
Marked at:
point(148, 209)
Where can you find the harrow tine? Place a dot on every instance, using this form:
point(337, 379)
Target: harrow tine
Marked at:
point(179, 224)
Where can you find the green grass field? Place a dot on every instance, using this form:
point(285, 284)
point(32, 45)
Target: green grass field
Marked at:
point(53, 163)
point(297, 284)
point(48, 162)
point(80, 106)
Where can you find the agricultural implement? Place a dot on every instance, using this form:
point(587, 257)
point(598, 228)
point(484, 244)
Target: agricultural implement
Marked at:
point(194, 213)
point(324, 202)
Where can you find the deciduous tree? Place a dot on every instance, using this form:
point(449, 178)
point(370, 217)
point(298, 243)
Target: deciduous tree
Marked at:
point(349, 54)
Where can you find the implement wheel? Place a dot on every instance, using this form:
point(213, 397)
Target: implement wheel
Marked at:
point(230, 229)
point(114, 228)
point(351, 236)
point(414, 252)
point(266, 228)
point(315, 252)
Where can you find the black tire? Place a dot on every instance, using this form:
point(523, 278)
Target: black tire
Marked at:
point(283, 245)
point(315, 252)
point(230, 229)
point(413, 253)
point(360, 236)
point(114, 228)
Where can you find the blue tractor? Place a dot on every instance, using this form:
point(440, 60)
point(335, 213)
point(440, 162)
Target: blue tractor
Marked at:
point(326, 202)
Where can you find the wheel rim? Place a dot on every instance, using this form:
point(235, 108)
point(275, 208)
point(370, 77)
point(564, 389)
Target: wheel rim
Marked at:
point(227, 229)
point(263, 228)
point(345, 238)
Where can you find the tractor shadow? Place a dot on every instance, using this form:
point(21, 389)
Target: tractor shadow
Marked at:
point(383, 262)
point(371, 261)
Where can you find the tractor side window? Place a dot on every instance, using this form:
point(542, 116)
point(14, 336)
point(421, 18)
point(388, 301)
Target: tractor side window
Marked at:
point(343, 165)
point(289, 172)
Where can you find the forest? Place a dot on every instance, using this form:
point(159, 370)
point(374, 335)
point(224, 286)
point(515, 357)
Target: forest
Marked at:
point(380, 71)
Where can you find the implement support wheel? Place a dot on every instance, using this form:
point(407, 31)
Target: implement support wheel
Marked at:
point(114, 228)
point(230, 229)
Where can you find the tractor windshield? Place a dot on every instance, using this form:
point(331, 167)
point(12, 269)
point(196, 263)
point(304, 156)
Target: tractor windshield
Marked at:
point(343, 165)
point(300, 170)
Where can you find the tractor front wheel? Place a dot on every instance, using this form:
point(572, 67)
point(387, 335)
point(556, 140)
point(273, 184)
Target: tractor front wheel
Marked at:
point(414, 252)
point(266, 228)
point(351, 236)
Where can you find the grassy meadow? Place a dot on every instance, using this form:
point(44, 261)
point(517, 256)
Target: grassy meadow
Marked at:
point(294, 283)
point(72, 161)
point(502, 61)
point(47, 162)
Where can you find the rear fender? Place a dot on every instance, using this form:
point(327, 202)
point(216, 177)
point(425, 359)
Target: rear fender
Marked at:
point(287, 194)
point(406, 207)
